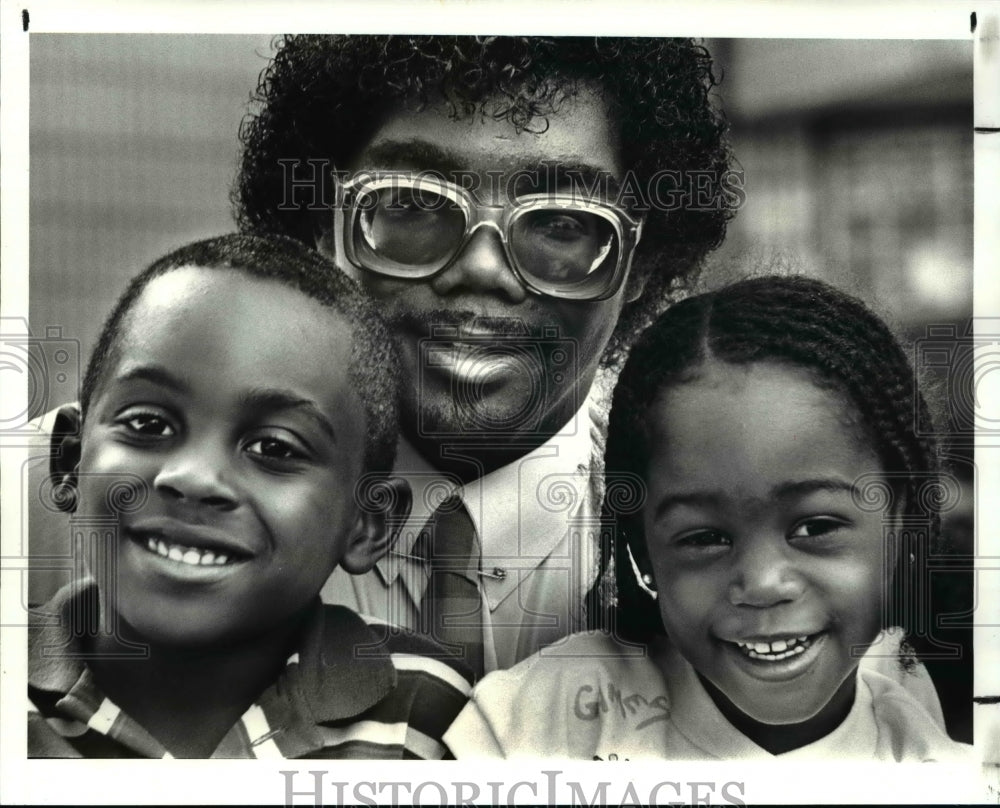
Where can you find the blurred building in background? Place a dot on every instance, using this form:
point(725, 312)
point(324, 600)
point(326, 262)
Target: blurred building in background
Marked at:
point(858, 161)
point(132, 152)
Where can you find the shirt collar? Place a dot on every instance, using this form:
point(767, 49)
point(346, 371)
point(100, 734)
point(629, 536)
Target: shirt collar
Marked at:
point(341, 669)
point(55, 654)
point(696, 716)
point(521, 511)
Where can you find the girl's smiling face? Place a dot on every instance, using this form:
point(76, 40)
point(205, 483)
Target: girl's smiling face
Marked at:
point(770, 578)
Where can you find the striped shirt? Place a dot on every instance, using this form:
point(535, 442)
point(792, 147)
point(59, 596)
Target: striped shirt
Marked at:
point(356, 688)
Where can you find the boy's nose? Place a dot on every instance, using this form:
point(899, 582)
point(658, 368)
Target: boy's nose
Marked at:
point(481, 268)
point(764, 576)
point(196, 477)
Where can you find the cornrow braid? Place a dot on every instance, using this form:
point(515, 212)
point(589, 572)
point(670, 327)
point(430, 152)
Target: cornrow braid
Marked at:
point(794, 320)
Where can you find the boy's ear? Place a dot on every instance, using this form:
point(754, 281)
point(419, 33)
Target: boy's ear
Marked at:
point(377, 524)
point(64, 461)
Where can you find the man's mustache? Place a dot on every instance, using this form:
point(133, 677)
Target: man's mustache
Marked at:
point(466, 323)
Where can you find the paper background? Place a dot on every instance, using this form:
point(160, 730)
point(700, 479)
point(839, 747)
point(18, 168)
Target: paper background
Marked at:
point(131, 152)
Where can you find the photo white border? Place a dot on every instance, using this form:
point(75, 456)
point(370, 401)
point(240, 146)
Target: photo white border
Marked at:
point(181, 782)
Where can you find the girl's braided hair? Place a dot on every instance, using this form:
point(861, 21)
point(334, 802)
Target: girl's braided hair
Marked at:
point(796, 321)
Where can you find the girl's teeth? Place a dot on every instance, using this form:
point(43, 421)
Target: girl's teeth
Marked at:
point(161, 548)
point(176, 554)
point(207, 557)
point(775, 650)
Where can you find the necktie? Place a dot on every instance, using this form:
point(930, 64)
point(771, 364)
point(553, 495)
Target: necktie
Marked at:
point(451, 608)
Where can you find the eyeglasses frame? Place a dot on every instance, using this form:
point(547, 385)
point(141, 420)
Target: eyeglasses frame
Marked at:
point(627, 229)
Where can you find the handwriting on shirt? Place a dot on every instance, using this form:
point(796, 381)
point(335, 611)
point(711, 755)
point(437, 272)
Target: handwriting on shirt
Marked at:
point(589, 705)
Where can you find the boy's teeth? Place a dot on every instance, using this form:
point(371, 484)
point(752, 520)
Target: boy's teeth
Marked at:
point(186, 555)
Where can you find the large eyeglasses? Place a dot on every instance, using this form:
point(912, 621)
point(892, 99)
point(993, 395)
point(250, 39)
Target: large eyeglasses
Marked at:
point(558, 244)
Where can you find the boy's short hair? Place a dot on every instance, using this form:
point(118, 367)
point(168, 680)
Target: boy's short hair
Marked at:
point(373, 367)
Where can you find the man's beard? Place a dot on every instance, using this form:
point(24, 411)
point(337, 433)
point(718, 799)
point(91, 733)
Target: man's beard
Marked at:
point(464, 411)
point(506, 391)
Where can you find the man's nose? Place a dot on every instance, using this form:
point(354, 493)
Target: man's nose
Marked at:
point(481, 268)
point(197, 474)
point(765, 575)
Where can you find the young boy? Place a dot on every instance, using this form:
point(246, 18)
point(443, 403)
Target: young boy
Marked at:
point(238, 430)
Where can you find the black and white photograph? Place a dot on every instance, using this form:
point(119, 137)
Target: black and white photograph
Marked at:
point(600, 397)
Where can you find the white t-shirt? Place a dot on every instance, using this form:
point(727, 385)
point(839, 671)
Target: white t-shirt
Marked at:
point(591, 697)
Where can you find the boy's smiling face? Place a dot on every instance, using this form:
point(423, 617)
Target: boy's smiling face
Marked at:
point(767, 573)
point(229, 397)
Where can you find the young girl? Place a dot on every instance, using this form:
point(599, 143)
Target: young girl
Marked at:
point(770, 438)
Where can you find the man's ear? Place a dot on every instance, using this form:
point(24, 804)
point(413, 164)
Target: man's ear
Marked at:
point(64, 461)
point(387, 505)
point(635, 285)
point(323, 236)
point(327, 223)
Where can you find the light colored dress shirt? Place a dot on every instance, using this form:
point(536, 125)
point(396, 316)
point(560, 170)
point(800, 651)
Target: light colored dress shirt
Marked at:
point(537, 525)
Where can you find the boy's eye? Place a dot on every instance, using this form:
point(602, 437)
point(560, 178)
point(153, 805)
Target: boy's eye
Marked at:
point(272, 448)
point(147, 423)
point(816, 526)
